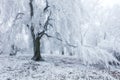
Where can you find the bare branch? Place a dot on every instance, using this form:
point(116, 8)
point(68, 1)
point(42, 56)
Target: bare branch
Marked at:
point(47, 35)
point(41, 34)
point(18, 16)
point(47, 6)
point(53, 37)
point(31, 8)
point(50, 25)
point(47, 22)
point(70, 45)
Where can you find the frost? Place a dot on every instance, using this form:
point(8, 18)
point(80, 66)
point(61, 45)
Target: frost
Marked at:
point(86, 29)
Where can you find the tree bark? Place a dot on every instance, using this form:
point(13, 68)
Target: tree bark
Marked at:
point(37, 54)
point(36, 46)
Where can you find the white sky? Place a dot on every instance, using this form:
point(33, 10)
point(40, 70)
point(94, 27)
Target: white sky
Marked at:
point(109, 3)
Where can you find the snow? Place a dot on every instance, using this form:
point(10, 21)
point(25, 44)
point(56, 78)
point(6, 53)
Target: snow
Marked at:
point(54, 67)
point(87, 31)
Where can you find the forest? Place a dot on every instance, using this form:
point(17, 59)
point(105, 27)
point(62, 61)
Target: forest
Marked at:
point(59, 40)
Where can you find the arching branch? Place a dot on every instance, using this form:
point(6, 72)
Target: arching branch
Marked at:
point(53, 37)
point(18, 16)
point(47, 23)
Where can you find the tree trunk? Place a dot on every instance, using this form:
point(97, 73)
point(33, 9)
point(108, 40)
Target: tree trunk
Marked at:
point(36, 46)
point(37, 54)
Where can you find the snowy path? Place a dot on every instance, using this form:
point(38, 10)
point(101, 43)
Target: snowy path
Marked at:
point(53, 68)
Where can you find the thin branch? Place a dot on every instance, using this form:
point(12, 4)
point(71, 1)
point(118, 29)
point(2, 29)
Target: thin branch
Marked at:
point(31, 9)
point(53, 37)
point(70, 45)
point(47, 6)
point(50, 25)
point(47, 22)
point(18, 16)
point(41, 34)
point(48, 35)
point(60, 40)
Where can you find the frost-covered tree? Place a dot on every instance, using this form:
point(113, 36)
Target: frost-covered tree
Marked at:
point(44, 23)
point(31, 14)
point(81, 28)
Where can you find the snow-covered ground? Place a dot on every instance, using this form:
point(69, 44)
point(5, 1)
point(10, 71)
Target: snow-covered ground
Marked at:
point(21, 67)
